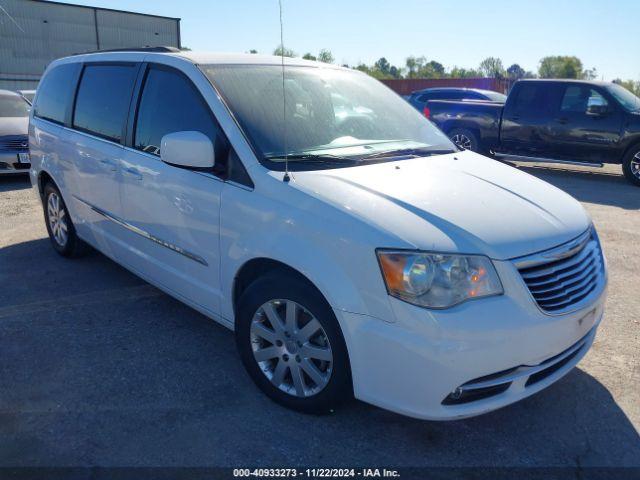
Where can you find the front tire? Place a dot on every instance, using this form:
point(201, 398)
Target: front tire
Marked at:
point(631, 166)
point(464, 139)
point(61, 231)
point(291, 344)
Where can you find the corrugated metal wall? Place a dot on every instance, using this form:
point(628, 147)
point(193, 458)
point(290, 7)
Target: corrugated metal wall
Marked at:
point(44, 31)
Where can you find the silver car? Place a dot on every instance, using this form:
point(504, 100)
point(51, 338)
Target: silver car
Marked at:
point(14, 125)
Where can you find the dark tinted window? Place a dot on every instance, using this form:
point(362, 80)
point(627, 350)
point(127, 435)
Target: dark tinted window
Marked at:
point(170, 103)
point(534, 98)
point(55, 92)
point(103, 99)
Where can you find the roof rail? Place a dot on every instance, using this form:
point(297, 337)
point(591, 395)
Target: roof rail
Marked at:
point(160, 49)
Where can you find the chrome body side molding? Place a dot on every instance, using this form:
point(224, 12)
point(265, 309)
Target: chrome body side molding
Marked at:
point(145, 234)
point(522, 158)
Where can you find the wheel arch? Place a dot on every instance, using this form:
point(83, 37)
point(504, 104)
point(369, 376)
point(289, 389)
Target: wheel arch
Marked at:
point(258, 267)
point(45, 177)
point(630, 147)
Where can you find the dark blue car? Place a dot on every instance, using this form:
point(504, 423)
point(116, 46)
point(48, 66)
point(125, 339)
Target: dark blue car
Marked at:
point(420, 98)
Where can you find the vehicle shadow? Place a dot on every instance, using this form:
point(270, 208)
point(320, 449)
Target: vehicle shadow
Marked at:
point(594, 185)
point(14, 182)
point(104, 371)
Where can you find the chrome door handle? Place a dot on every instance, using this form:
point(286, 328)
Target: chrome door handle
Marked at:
point(134, 172)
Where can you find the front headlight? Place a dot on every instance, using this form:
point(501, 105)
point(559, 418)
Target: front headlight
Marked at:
point(438, 280)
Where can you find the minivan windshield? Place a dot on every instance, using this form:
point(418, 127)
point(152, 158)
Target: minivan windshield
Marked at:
point(13, 106)
point(628, 100)
point(331, 117)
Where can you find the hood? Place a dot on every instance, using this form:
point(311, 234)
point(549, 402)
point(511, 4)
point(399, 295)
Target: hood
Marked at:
point(461, 202)
point(14, 126)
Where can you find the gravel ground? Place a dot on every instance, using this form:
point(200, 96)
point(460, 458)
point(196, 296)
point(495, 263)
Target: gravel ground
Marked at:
point(99, 368)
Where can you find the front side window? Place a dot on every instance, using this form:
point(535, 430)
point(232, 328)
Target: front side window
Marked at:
point(55, 92)
point(579, 98)
point(13, 106)
point(170, 103)
point(339, 114)
point(102, 103)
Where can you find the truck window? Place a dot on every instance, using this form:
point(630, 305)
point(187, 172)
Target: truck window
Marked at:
point(578, 98)
point(534, 99)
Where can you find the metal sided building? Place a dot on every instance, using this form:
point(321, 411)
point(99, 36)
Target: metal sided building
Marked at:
point(35, 32)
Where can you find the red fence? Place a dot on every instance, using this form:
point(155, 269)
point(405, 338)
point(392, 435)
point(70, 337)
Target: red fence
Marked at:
point(407, 85)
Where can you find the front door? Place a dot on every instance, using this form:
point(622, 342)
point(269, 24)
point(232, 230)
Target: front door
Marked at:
point(172, 214)
point(587, 125)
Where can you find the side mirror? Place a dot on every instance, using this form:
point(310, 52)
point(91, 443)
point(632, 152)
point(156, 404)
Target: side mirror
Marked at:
point(187, 149)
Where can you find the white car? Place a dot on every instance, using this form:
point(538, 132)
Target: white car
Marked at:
point(14, 123)
point(363, 255)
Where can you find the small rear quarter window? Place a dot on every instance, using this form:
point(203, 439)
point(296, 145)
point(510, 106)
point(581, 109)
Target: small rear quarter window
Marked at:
point(55, 92)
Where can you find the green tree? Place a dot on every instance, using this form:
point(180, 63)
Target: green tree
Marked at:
point(560, 67)
point(382, 65)
point(185, 49)
point(491, 67)
point(412, 67)
point(325, 56)
point(283, 51)
point(308, 56)
point(431, 69)
point(459, 72)
point(253, 50)
point(395, 72)
point(515, 72)
point(589, 74)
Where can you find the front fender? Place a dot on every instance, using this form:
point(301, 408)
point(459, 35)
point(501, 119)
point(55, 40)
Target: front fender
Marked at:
point(327, 249)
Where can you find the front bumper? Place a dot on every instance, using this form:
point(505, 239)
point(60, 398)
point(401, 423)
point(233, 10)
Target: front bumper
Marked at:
point(413, 363)
point(9, 163)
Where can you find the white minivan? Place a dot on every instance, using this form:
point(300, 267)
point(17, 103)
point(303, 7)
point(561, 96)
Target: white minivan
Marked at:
point(347, 242)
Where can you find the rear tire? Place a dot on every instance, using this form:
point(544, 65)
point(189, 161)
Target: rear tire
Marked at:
point(465, 139)
point(61, 231)
point(291, 344)
point(631, 165)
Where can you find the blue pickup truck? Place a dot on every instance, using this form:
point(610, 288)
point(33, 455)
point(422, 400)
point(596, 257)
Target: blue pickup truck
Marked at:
point(560, 121)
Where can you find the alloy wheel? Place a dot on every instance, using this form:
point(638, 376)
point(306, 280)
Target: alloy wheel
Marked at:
point(57, 216)
point(291, 348)
point(635, 165)
point(462, 141)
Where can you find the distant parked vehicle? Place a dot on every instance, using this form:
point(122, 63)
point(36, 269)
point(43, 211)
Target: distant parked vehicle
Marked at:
point(420, 98)
point(28, 95)
point(14, 126)
point(558, 121)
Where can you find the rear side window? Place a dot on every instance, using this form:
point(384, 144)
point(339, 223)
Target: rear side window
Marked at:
point(534, 98)
point(102, 103)
point(55, 92)
point(170, 103)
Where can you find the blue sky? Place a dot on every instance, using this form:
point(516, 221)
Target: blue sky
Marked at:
point(602, 33)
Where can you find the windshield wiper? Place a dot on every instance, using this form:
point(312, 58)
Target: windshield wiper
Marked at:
point(310, 158)
point(419, 152)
